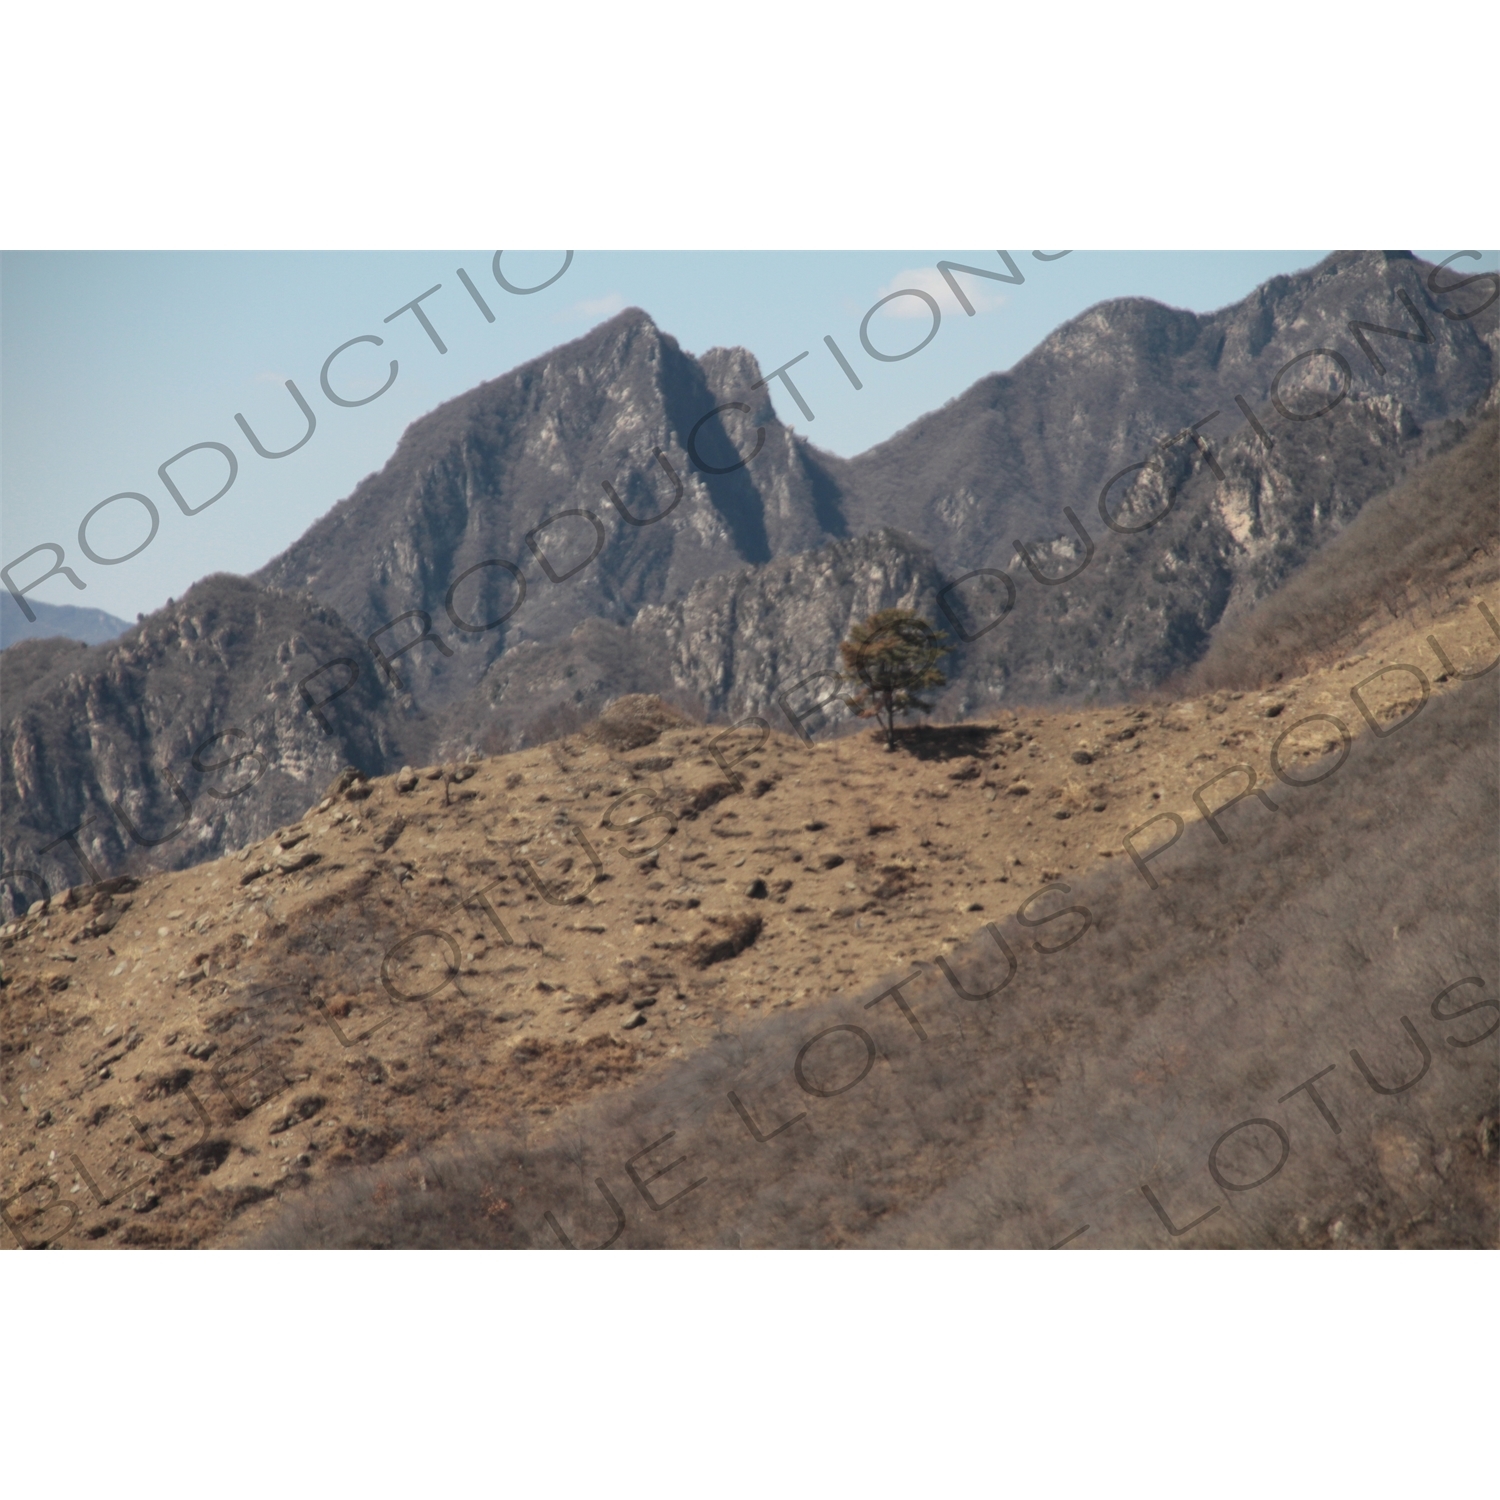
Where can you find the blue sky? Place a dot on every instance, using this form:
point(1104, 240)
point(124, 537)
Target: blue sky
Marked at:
point(110, 363)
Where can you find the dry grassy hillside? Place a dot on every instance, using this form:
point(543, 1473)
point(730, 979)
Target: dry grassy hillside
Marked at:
point(491, 946)
point(1288, 1043)
point(1287, 1040)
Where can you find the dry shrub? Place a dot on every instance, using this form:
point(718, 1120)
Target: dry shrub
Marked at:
point(636, 720)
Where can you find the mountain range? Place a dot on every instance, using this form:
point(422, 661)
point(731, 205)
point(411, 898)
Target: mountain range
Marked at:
point(619, 516)
point(91, 626)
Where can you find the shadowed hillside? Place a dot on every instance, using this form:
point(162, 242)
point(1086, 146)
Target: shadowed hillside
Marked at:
point(489, 945)
point(1153, 1049)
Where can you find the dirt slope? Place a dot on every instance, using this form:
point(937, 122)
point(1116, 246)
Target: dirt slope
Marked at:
point(432, 955)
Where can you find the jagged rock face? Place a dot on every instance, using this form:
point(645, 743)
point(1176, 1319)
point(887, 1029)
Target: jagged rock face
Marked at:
point(1143, 607)
point(730, 646)
point(745, 586)
point(739, 642)
point(1146, 604)
point(471, 480)
point(995, 467)
point(998, 464)
point(103, 739)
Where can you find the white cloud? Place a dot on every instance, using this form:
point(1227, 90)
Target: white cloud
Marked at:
point(930, 280)
point(598, 307)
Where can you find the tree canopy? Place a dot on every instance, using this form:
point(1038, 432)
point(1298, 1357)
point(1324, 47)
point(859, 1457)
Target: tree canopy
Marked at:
point(891, 660)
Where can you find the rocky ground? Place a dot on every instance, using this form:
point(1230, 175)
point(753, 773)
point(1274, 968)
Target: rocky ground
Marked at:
point(464, 946)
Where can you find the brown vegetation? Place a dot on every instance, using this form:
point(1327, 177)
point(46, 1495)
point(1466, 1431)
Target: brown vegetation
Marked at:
point(455, 962)
point(1109, 1089)
point(1426, 542)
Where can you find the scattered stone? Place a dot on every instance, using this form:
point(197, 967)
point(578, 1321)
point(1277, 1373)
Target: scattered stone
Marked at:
point(390, 833)
point(344, 780)
point(756, 890)
point(1082, 758)
point(1019, 789)
point(165, 1085)
point(406, 779)
point(298, 862)
point(968, 772)
point(727, 938)
point(1404, 1154)
point(830, 861)
point(705, 797)
point(301, 1109)
point(638, 1018)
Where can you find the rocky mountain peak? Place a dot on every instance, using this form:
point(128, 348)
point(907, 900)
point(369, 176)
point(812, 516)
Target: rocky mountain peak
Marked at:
point(620, 516)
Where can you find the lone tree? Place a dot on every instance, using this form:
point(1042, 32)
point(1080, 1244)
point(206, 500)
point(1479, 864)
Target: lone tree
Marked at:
point(890, 660)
